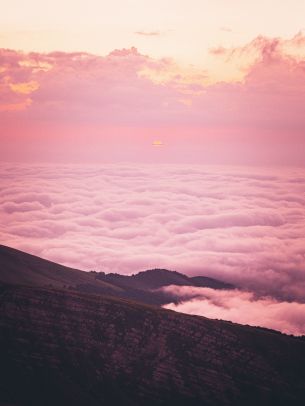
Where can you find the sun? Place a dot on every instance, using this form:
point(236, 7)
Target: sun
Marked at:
point(157, 144)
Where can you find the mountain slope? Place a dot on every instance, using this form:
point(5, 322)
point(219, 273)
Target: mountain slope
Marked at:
point(18, 267)
point(66, 348)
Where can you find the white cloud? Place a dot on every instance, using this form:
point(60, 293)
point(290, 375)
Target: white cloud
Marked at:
point(240, 307)
point(242, 225)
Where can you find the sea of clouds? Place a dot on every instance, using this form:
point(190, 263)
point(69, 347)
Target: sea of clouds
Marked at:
point(241, 225)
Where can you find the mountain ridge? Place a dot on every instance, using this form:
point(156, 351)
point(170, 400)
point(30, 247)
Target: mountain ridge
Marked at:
point(160, 277)
point(20, 267)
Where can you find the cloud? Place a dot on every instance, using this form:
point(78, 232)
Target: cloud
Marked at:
point(252, 218)
point(240, 307)
point(263, 48)
point(11, 207)
point(148, 33)
point(218, 51)
point(226, 29)
point(241, 225)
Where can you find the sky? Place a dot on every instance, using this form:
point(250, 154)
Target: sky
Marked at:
point(179, 29)
point(215, 82)
point(171, 132)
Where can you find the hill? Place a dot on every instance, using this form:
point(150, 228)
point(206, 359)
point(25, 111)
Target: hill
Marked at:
point(18, 267)
point(62, 347)
point(157, 278)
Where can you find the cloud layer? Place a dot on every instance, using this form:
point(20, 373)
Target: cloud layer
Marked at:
point(240, 307)
point(242, 225)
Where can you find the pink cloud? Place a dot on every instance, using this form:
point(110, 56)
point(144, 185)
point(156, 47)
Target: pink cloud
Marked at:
point(240, 307)
point(148, 33)
point(11, 207)
point(241, 225)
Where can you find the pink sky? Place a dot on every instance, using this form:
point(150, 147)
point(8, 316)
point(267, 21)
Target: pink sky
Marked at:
point(112, 108)
point(215, 82)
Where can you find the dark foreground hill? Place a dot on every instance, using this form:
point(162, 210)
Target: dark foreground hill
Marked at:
point(66, 348)
point(18, 267)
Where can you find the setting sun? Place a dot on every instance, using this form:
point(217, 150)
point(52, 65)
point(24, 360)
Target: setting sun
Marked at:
point(157, 143)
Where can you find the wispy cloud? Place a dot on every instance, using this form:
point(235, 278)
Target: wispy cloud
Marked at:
point(148, 33)
point(226, 29)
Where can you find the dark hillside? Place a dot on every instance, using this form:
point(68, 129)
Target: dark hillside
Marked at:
point(66, 348)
